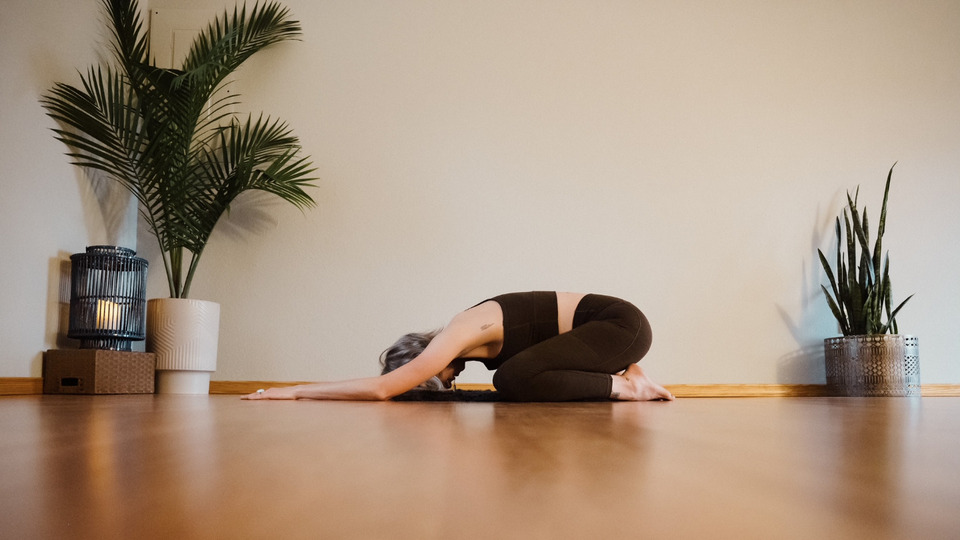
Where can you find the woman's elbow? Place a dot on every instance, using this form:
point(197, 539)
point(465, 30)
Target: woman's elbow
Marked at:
point(380, 392)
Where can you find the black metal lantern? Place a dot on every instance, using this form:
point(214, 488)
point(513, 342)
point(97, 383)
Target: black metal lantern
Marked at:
point(108, 289)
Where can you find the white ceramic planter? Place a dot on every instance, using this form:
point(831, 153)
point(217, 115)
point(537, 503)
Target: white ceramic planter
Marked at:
point(183, 333)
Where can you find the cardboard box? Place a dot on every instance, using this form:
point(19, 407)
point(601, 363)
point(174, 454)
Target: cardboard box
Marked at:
point(94, 371)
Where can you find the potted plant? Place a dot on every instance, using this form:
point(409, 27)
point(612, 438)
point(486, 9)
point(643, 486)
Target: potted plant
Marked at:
point(170, 138)
point(872, 358)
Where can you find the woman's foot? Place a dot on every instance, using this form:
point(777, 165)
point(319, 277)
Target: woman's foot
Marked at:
point(634, 385)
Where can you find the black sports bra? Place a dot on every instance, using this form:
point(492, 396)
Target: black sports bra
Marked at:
point(528, 319)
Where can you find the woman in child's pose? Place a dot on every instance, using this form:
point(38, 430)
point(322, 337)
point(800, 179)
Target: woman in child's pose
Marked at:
point(544, 346)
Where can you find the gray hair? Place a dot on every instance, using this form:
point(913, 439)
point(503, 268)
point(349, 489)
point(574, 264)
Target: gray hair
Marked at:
point(408, 347)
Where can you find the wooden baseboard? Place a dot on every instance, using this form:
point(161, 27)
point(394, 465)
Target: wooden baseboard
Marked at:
point(15, 386)
point(18, 386)
point(940, 390)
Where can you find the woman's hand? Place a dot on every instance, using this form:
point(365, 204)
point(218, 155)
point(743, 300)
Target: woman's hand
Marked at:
point(273, 393)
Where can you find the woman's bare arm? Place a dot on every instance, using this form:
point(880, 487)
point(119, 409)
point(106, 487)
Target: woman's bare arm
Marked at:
point(366, 389)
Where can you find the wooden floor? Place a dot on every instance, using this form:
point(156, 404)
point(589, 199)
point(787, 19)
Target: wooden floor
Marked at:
point(218, 467)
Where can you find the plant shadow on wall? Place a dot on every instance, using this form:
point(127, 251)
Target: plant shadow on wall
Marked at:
point(805, 365)
point(113, 202)
point(58, 308)
point(170, 137)
point(116, 215)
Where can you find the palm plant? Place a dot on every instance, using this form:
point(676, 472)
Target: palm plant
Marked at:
point(861, 287)
point(168, 136)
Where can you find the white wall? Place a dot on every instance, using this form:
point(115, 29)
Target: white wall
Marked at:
point(688, 156)
point(47, 209)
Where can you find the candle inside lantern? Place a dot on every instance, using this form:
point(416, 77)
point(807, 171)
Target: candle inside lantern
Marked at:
point(108, 315)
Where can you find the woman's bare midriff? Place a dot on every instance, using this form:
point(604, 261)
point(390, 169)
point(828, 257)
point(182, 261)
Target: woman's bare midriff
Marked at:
point(566, 308)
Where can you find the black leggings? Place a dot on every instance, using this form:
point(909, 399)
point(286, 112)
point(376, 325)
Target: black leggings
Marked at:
point(608, 335)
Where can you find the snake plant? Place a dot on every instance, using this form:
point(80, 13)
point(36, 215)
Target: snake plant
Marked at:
point(861, 291)
point(169, 136)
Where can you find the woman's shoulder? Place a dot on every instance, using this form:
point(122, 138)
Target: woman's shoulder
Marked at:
point(488, 310)
point(478, 330)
